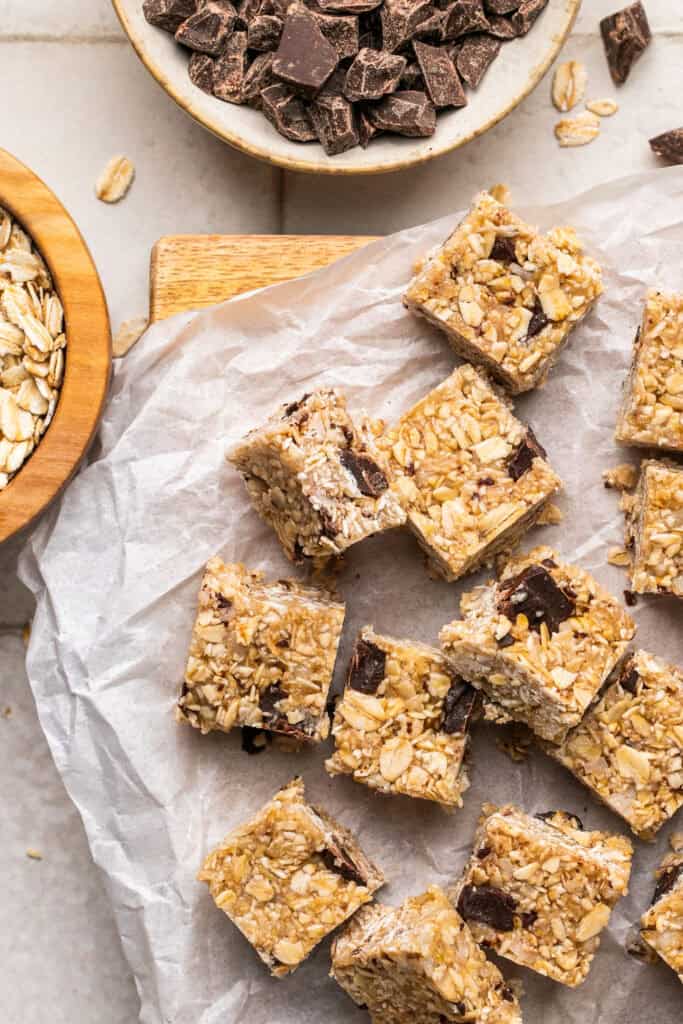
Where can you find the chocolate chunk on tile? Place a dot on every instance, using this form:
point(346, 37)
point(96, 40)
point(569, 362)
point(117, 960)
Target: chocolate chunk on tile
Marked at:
point(287, 113)
point(335, 125)
point(669, 145)
point(168, 14)
point(526, 14)
point(200, 70)
point(304, 58)
point(503, 250)
point(366, 129)
point(625, 35)
point(348, 6)
point(369, 477)
point(258, 77)
point(407, 113)
point(476, 56)
point(458, 707)
point(522, 458)
point(535, 594)
point(502, 28)
point(264, 32)
point(372, 75)
point(538, 320)
point(366, 670)
point(501, 6)
point(208, 29)
point(487, 905)
point(400, 19)
point(442, 81)
point(230, 69)
point(341, 31)
point(465, 16)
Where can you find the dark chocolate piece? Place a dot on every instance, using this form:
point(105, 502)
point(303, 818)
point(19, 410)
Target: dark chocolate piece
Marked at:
point(304, 59)
point(269, 698)
point(628, 677)
point(405, 113)
point(521, 460)
point(348, 6)
point(529, 919)
point(535, 594)
point(372, 75)
point(207, 31)
point(538, 320)
point(287, 114)
point(335, 125)
point(246, 10)
point(366, 129)
point(168, 14)
point(630, 598)
point(200, 70)
point(230, 69)
point(432, 29)
point(476, 56)
point(506, 641)
point(502, 28)
point(547, 818)
point(501, 6)
point(412, 78)
point(503, 250)
point(442, 81)
point(669, 145)
point(400, 19)
point(370, 479)
point(625, 35)
point(341, 32)
point(366, 670)
point(466, 16)
point(337, 859)
point(255, 741)
point(487, 905)
point(458, 707)
point(666, 881)
point(526, 14)
point(258, 77)
point(264, 32)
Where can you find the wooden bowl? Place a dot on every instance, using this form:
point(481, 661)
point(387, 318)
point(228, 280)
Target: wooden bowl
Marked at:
point(88, 352)
point(517, 71)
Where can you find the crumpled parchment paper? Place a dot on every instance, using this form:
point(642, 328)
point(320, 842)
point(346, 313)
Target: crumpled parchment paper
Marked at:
point(116, 569)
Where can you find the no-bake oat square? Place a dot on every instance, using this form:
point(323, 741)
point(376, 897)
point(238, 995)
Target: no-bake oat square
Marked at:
point(654, 529)
point(506, 296)
point(652, 411)
point(316, 476)
point(539, 890)
point(262, 654)
point(402, 725)
point(419, 962)
point(471, 476)
point(661, 926)
point(629, 747)
point(539, 641)
point(288, 877)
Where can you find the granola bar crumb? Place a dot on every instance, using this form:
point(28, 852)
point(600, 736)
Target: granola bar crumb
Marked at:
point(623, 477)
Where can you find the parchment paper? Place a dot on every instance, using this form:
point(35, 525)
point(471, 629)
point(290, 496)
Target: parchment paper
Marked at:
point(116, 569)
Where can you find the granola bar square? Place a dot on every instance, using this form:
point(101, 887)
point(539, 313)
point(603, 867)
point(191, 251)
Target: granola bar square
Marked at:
point(317, 477)
point(661, 926)
point(471, 476)
point(539, 890)
point(654, 529)
point(629, 747)
point(402, 725)
point(652, 411)
point(288, 877)
point(506, 296)
point(262, 654)
point(419, 962)
point(539, 641)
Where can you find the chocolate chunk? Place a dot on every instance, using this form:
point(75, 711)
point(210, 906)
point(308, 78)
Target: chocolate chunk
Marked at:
point(200, 70)
point(370, 479)
point(506, 641)
point(630, 598)
point(287, 114)
point(529, 919)
point(503, 250)
point(341, 32)
point(483, 852)
point(372, 75)
point(337, 859)
point(547, 817)
point(335, 125)
point(466, 16)
point(625, 35)
point(628, 677)
point(526, 14)
point(268, 699)
point(168, 14)
point(405, 113)
point(370, 31)
point(666, 881)
point(458, 706)
point(348, 6)
point(255, 741)
point(501, 6)
point(304, 59)
point(535, 594)
point(502, 28)
point(487, 905)
point(400, 19)
point(207, 31)
point(442, 81)
point(264, 32)
point(366, 670)
point(669, 145)
point(476, 56)
point(231, 66)
point(412, 77)
point(538, 320)
point(432, 29)
point(521, 460)
point(258, 77)
point(366, 129)
point(295, 406)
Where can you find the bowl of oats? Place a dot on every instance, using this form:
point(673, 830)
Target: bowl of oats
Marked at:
point(55, 346)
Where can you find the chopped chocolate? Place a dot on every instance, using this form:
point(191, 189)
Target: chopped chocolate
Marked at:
point(366, 670)
point(502, 28)
point(412, 77)
point(230, 69)
point(399, 20)
point(538, 320)
point(630, 598)
point(487, 905)
point(458, 707)
point(476, 56)
point(348, 6)
point(433, 28)
point(366, 129)
point(373, 74)
point(573, 819)
point(341, 32)
point(405, 113)
point(370, 479)
point(255, 741)
point(669, 145)
point(503, 249)
point(442, 81)
point(535, 594)
point(466, 16)
point(501, 6)
point(304, 59)
point(521, 460)
point(337, 859)
point(271, 696)
point(208, 29)
point(526, 14)
point(335, 125)
point(287, 114)
point(529, 918)
point(666, 881)
point(258, 77)
point(200, 70)
point(505, 641)
point(264, 32)
point(168, 14)
point(625, 35)
point(628, 679)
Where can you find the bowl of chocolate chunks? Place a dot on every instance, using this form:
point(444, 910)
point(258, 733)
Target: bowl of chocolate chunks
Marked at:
point(347, 86)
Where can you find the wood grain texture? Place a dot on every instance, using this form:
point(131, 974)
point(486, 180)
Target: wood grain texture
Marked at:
point(88, 353)
point(193, 271)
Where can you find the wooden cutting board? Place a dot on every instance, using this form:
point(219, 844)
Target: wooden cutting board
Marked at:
point(191, 271)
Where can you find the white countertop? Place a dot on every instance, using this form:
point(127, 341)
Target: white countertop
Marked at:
point(73, 95)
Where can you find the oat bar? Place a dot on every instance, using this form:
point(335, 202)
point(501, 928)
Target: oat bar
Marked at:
point(652, 411)
point(661, 927)
point(472, 478)
point(317, 477)
point(402, 725)
point(539, 890)
point(419, 963)
point(540, 641)
point(654, 529)
point(506, 296)
point(288, 877)
point(629, 747)
point(262, 654)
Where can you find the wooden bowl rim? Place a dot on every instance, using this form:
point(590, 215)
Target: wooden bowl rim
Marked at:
point(88, 354)
point(309, 166)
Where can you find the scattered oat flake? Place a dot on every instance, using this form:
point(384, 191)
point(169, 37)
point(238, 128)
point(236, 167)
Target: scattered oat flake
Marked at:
point(603, 108)
point(7, 712)
point(551, 515)
point(115, 180)
point(501, 193)
point(34, 854)
point(579, 130)
point(569, 85)
point(618, 556)
point(623, 477)
point(128, 334)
